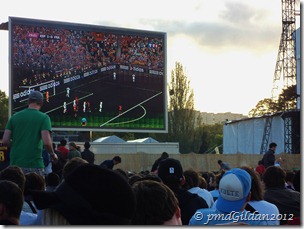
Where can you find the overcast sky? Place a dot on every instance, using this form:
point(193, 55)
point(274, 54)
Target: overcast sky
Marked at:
point(227, 47)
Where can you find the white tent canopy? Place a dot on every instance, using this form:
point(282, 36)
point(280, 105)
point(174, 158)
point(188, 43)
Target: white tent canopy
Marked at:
point(143, 140)
point(110, 139)
point(115, 145)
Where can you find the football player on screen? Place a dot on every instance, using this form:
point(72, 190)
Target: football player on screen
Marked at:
point(64, 107)
point(83, 121)
point(68, 92)
point(88, 106)
point(47, 96)
point(84, 107)
point(100, 106)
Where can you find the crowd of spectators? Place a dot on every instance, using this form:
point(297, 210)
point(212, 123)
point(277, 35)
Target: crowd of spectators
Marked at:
point(48, 53)
point(141, 51)
point(84, 193)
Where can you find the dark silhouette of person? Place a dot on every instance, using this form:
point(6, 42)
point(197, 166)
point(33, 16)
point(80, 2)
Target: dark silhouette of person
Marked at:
point(110, 163)
point(87, 154)
point(163, 156)
point(269, 158)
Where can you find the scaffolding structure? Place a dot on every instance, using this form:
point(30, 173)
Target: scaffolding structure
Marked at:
point(285, 72)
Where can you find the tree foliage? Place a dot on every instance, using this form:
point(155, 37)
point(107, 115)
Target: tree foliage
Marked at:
point(181, 109)
point(211, 136)
point(287, 101)
point(263, 107)
point(3, 110)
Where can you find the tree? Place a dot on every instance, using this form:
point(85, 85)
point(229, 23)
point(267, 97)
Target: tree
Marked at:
point(181, 109)
point(287, 101)
point(263, 107)
point(3, 110)
point(211, 136)
point(204, 141)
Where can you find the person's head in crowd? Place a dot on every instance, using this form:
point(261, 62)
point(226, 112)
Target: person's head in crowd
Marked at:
point(87, 145)
point(134, 178)
point(274, 177)
point(260, 169)
point(155, 165)
point(156, 204)
point(122, 172)
point(289, 176)
point(116, 160)
point(33, 181)
point(209, 178)
point(63, 142)
point(218, 178)
point(171, 172)
point(164, 155)
point(206, 175)
point(273, 146)
point(89, 195)
point(14, 174)
point(289, 179)
point(35, 97)
point(191, 179)
point(144, 172)
point(52, 180)
point(223, 165)
point(287, 200)
point(234, 191)
point(71, 165)
point(11, 203)
point(202, 183)
point(153, 177)
point(257, 188)
point(72, 146)
point(297, 181)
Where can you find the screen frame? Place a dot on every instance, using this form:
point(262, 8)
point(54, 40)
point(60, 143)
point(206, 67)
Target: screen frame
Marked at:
point(99, 28)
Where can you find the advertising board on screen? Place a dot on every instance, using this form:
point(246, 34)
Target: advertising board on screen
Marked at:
point(93, 78)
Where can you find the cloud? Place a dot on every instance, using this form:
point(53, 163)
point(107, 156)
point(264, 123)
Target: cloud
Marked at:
point(218, 35)
point(239, 13)
point(238, 26)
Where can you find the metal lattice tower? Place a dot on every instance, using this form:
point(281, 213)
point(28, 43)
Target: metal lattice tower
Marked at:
point(285, 72)
point(266, 134)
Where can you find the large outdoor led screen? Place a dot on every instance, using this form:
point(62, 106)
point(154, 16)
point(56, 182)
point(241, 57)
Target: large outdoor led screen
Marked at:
point(93, 77)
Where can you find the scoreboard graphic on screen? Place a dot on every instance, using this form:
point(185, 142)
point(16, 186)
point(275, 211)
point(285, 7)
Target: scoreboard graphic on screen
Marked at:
point(93, 78)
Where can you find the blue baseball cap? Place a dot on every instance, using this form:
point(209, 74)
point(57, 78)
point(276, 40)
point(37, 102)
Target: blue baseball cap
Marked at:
point(234, 188)
point(36, 96)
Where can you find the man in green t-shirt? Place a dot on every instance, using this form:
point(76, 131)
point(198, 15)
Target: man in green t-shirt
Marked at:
point(26, 132)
